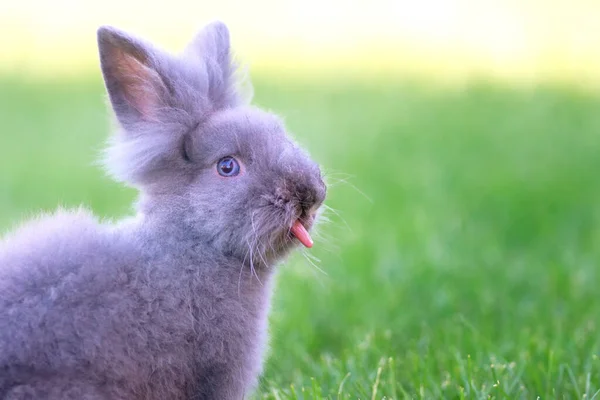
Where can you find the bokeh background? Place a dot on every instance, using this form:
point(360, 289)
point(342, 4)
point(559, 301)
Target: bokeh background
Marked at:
point(461, 140)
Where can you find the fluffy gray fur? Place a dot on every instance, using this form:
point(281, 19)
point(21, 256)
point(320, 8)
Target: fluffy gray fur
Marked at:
point(171, 303)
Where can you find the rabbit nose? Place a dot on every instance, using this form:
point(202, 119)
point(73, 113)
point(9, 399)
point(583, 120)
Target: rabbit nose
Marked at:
point(310, 195)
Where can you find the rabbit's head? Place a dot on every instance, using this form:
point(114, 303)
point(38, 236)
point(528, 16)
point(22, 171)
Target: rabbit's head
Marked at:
point(200, 156)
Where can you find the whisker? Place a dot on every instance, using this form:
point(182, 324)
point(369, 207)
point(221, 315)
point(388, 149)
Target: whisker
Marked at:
point(259, 249)
point(357, 190)
point(306, 256)
point(241, 270)
point(326, 242)
point(341, 177)
point(260, 252)
point(252, 269)
point(332, 173)
point(313, 257)
point(335, 212)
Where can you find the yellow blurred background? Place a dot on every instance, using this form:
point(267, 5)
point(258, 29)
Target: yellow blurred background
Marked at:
point(523, 40)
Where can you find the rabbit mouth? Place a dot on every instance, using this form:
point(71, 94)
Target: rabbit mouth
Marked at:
point(301, 226)
point(281, 241)
point(301, 233)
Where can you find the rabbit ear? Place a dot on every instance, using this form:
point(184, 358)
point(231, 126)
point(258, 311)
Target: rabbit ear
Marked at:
point(211, 45)
point(136, 90)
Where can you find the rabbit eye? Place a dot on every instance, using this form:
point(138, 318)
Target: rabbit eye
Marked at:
point(228, 166)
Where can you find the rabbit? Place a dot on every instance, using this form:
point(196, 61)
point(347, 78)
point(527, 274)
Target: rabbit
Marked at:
point(171, 302)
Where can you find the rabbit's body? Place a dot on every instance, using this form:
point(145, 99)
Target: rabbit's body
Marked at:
point(172, 303)
point(126, 314)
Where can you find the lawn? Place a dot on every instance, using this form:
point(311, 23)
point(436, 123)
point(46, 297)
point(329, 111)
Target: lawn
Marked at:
point(461, 260)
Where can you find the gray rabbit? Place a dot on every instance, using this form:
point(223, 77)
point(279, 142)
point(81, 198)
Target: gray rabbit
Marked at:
point(171, 303)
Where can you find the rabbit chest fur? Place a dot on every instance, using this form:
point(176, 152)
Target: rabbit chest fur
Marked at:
point(172, 303)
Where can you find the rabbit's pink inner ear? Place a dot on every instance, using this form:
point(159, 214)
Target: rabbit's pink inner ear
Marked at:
point(141, 86)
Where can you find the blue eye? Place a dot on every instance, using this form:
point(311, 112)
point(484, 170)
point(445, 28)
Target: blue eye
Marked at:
point(228, 167)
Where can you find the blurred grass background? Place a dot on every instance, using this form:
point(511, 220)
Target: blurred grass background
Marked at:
point(461, 140)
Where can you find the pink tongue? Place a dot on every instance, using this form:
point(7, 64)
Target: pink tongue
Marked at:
point(301, 234)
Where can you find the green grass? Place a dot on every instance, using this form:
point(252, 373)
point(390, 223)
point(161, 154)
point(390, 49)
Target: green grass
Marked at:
point(463, 262)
